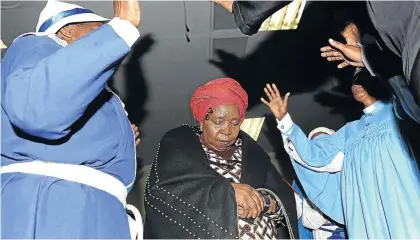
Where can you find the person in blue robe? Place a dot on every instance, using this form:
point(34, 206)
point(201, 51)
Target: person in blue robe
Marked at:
point(56, 108)
point(312, 222)
point(363, 175)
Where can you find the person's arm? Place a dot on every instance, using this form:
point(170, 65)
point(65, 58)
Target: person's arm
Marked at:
point(48, 87)
point(323, 154)
point(249, 15)
point(322, 188)
point(378, 61)
point(318, 164)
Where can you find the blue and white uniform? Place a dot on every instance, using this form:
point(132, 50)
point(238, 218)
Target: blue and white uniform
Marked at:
point(362, 176)
point(55, 107)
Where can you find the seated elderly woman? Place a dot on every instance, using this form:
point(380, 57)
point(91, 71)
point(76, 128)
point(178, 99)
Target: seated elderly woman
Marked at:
point(215, 181)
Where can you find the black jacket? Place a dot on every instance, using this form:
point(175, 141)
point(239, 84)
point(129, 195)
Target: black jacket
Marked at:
point(249, 15)
point(186, 198)
point(398, 27)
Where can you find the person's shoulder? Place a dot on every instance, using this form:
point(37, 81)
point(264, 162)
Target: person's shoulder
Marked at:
point(29, 49)
point(179, 132)
point(38, 40)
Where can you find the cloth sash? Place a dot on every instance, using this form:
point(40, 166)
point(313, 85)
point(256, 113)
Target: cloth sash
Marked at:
point(83, 175)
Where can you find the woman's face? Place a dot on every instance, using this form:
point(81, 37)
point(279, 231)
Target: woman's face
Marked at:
point(359, 93)
point(221, 128)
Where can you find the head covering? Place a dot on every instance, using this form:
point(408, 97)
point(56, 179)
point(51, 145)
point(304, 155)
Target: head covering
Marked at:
point(58, 14)
point(320, 130)
point(215, 93)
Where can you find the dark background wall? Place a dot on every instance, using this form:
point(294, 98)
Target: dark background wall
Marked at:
point(158, 78)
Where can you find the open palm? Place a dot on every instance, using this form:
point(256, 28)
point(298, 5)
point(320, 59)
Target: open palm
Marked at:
point(277, 105)
point(349, 53)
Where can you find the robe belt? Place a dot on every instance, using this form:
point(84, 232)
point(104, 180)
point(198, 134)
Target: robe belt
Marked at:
point(83, 175)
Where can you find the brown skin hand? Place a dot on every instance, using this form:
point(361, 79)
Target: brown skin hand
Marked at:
point(72, 32)
point(362, 96)
point(221, 130)
point(226, 4)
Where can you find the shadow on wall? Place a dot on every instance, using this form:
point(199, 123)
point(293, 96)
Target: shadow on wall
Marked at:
point(135, 98)
point(136, 90)
point(291, 59)
point(274, 138)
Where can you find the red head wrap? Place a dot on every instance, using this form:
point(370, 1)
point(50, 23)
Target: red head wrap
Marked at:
point(215, 93)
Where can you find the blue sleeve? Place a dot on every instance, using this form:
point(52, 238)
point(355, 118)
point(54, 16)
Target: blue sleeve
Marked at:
point(48, 87)
point(318, 152)
point(321, 187)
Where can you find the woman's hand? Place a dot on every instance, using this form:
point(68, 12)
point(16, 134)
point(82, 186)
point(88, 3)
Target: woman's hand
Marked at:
point(250, 202)
point(276, 104)
point(136, 133)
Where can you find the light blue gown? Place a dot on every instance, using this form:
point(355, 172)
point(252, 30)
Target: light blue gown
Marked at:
point(377, 192)
point(54, 107)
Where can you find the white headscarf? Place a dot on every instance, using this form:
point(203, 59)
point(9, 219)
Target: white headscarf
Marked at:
point(322, 130)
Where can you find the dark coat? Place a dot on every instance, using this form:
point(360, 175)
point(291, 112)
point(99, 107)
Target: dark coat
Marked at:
point(186, 198)
point(398, 29)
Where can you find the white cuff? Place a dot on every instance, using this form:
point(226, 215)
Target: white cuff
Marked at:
point(364, 60)
point(125, 30)
point(285, 125)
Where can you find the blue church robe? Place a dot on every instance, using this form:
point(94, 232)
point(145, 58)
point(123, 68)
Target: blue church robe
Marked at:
point(376, 191)
point(54, 107)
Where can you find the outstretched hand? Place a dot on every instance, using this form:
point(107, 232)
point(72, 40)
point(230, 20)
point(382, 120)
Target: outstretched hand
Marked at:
point(350, 53)
point(277, 105)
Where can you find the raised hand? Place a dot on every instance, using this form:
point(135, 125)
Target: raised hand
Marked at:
point(128, 10)
point(136, 133)
point(277, 105)
point(226, 4)
point(351, 34)
point(349, 54)
point(250, 202)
